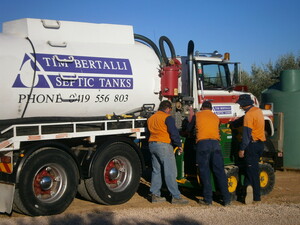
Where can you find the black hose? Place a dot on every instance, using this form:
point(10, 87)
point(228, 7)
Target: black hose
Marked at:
point(151, 43)
point(34, 76)
point(163, 39)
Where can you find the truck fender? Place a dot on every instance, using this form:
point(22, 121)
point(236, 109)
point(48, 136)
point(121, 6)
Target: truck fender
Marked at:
point(269, 127)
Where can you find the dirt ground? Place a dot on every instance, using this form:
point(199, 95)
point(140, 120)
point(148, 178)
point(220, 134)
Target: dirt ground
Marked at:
point(286, 190)
point(286, 193)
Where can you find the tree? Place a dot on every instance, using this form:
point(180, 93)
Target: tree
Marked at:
point(265, 76)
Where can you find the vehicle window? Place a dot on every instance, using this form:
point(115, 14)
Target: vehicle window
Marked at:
point(214, 76)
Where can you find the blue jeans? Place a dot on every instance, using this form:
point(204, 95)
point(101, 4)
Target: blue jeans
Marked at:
point(252, 154)
point(209, 157)
point(163, 159)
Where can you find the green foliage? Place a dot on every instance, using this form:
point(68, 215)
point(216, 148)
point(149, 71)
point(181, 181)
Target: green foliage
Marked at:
point(265, 76)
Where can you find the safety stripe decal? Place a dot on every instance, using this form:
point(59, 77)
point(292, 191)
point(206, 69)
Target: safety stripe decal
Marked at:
point(222, 98)
point(4, 144)
point(34, 137)
point(6, 167)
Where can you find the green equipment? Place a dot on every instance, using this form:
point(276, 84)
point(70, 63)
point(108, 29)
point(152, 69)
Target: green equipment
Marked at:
point(187, 170)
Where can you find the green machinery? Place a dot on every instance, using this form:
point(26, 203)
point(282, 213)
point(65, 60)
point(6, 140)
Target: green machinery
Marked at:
point(187, 171)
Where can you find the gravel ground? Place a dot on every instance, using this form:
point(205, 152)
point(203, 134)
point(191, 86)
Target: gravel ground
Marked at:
point(285, 214)
point(281, 206)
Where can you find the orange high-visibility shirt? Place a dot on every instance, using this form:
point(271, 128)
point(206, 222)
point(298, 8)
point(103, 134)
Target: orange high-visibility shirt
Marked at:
point(254, 120)
point(158, 128)
point(207, 125)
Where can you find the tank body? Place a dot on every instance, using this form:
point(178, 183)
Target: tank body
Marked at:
point(285, 96)
point(70, 69)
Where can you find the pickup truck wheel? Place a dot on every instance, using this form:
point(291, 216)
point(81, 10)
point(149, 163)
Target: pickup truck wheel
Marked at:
point(267, 178)
point(47, 184)
point(116, 173)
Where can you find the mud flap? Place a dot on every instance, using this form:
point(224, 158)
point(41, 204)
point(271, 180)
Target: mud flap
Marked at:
point(6, 197)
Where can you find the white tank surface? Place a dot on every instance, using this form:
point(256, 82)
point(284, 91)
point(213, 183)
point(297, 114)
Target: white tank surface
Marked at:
point(72, 69)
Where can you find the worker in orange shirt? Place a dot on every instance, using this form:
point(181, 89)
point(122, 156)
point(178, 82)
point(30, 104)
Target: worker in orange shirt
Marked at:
point(252, 146)
point(208, 153)
point(164, 136)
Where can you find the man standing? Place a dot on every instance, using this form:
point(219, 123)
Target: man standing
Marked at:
point(163, 133)
point(252, 145)
point(208, 154)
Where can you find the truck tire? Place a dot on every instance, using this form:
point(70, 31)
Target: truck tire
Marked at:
point(83, 192)
point(232, 174)
point(47, 184)
point(267, 178)
point(116, 173)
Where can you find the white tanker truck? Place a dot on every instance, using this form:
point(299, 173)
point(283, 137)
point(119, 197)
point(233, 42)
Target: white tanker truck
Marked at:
point(74, 100)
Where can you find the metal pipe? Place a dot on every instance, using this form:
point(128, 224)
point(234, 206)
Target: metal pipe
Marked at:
point(190, 54)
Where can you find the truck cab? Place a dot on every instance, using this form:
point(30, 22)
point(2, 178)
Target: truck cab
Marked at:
point(212, 77)
point(217, 79)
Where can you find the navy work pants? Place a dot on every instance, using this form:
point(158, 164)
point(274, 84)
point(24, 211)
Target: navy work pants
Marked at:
point(252, 154)
point(209, 157)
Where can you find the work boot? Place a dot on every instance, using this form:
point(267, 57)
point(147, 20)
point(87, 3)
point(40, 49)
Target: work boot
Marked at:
point(180, 201)
point(227, 203)
point(155, 199)
point(249, 195)
point(203, 202)
point(256, 202)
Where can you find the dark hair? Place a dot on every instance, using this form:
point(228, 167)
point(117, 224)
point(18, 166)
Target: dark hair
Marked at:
point(164, 105)
point(207, 105)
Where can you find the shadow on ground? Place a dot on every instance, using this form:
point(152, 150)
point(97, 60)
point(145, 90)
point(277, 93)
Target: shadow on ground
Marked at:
point(96, 217)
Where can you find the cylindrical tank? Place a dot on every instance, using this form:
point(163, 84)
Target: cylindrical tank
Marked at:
point(285, 96)
point(169, 81)
point(71, 69)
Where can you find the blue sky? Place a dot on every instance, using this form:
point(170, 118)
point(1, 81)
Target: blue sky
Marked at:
point(254, 32)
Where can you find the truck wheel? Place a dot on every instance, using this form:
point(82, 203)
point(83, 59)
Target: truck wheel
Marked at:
point(267, 178)
point(232, 174)
point(83, 192)
point(116, 173)
point(47, 184)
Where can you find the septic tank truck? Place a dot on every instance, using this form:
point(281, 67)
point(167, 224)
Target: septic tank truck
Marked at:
point(75, 98)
